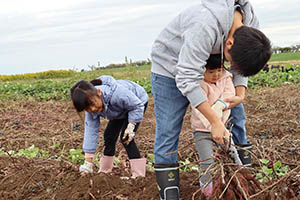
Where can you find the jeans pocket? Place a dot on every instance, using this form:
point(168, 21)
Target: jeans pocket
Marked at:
point(153, 77)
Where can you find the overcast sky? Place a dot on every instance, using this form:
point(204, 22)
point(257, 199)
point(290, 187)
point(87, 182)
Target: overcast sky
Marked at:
point(40, 35)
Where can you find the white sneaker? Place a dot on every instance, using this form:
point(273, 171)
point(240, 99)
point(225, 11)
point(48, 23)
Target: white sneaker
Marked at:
point(87, 167)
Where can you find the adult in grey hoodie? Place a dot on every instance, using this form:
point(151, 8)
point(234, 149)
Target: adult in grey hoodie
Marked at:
point(179, 56)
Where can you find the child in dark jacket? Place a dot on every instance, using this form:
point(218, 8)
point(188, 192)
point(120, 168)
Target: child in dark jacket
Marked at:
point(123, 102)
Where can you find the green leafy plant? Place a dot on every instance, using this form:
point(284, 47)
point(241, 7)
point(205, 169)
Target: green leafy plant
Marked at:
point(55, 146)
point(270, 171)
point(30, 152)
point(76, 156)
point(2, 151)
point(150, 163)
point(275, 78)
point(117, 161)
point(188, 166)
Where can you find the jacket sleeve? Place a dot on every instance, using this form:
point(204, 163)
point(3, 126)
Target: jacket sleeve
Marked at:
point(197, 45)
point(238, 79)
point(130, 102)
point(91, 133)
point(249, 17)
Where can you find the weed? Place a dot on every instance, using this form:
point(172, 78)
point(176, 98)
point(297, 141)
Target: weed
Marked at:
point(76, 156)
point(270, 170)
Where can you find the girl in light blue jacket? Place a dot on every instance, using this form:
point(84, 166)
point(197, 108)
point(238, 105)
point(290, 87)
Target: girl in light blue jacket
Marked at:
point(123, 103)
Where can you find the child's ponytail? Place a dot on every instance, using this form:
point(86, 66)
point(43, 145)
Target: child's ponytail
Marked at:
point(96, 82)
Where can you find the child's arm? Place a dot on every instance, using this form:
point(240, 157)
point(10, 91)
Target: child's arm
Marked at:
point(218, 130)
point(90, 141)
point(135, 107)
point(91, 133)
point(216, 104)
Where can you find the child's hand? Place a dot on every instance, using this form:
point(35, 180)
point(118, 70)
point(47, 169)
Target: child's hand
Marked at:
point(218, 132)
point(87, 167)
point(129, 133)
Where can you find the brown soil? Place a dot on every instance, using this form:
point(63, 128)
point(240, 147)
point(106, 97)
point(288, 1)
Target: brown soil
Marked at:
point(273, 127)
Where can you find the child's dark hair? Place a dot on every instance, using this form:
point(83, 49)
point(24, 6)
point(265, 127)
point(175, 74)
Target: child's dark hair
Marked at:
point(214, 61)
point(81, 92)
point(96, 82)
point(251, 50)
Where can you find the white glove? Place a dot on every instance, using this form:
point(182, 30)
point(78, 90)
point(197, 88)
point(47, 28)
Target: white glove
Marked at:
point(87, 167)
point(129, 134)
point(218, 107)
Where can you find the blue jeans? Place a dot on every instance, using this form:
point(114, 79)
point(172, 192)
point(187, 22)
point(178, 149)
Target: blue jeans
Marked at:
point(169, 108)
point(239, 120)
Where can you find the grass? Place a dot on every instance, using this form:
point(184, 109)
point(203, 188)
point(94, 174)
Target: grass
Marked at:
point(285, 56)
point(56, 88)
point(59, 88)
point(127, 72)
point(137, 74)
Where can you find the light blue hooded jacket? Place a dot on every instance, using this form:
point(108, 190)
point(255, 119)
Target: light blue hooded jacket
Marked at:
point(182, 48)
point(121, 98)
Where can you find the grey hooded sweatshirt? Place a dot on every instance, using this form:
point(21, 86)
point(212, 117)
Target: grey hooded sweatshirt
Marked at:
point(182, 48)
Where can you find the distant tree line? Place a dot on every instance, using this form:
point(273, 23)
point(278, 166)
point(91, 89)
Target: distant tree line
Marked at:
point(291, 49)
point(118, 65)
point(130, 63)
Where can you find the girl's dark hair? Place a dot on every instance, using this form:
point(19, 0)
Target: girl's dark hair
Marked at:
point(80, 93)
point(96, 82)
point(214, 61)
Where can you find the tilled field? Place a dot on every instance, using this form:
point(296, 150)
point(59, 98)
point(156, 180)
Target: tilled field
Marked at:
point(273, 125)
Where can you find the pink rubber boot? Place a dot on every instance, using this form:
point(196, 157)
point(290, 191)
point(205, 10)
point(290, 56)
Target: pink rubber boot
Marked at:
point(106, 164)
point(207, 191)
point(138, 167)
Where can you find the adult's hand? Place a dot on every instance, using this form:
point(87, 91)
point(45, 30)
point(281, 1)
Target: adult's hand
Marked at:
point(233, 101)
point(238, 98)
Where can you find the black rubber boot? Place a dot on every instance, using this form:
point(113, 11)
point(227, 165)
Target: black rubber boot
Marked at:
point(244, 153)
point(167, 177)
